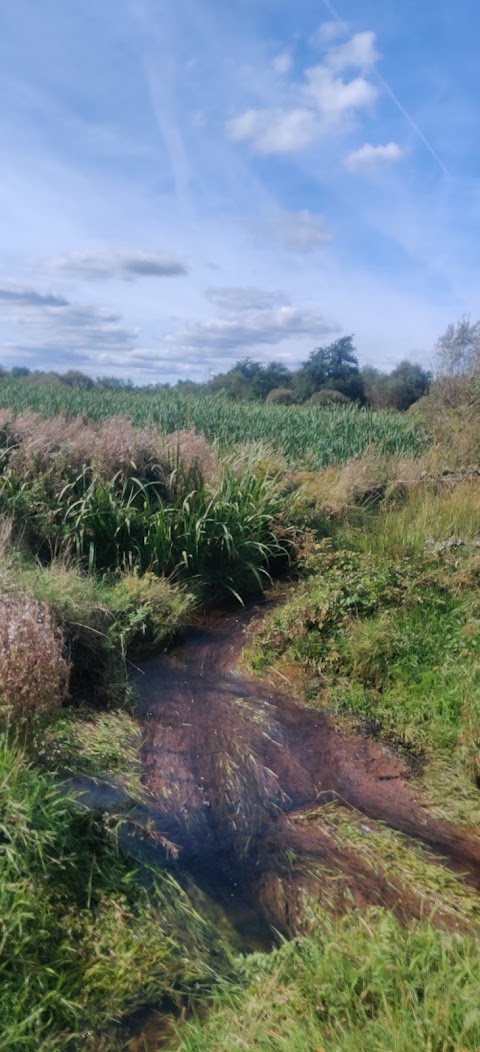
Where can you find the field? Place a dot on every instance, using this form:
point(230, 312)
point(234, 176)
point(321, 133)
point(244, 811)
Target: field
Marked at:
point(313, 436)
point(126, 516)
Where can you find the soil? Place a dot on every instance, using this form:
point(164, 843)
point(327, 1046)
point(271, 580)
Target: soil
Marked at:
point(233, 767)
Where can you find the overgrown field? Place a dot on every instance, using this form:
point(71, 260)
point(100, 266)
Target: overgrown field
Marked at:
point(310, 436)
point(121, 513)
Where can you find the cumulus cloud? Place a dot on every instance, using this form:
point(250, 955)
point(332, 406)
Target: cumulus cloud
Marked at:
point(357, 53)
point(238, 299)
point(323, 103)
point(301, 232)
point(368, 156)
point(126, 265)
point(335, 98)
point(272, 131)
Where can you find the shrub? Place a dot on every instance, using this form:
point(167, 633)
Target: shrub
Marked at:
point(328, 396)
point(281, 396)
point(33, 670)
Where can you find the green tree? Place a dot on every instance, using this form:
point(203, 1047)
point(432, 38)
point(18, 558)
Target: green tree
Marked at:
point(335, 366)
point(406, 384)
point(457, 352)
point(19, 370)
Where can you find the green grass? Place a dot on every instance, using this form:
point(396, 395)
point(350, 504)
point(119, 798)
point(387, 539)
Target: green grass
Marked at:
point(393, 641)
point(361, 982)
point(82, 942)
point(309, 436)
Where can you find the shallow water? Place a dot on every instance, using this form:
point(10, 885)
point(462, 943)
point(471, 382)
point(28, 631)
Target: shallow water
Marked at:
point(230, 761)
point(231, 766)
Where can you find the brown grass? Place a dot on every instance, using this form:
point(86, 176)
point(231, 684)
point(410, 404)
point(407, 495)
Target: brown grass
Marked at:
point(33, 670)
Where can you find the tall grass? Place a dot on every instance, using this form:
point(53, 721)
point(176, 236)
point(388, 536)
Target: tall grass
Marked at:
point(222, 536)
point(312, 436)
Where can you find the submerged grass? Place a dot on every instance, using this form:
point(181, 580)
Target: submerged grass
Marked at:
point(82, 942)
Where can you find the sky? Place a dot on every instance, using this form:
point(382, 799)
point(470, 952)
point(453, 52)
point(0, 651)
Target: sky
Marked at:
point(184, 183)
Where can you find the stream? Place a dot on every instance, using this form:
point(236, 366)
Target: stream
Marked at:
point(231, 768)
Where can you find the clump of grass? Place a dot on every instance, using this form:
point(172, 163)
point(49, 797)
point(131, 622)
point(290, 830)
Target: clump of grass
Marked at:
point(33, 670)
point(358, 982)
point(101, 745)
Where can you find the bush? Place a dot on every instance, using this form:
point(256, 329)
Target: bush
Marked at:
point(328, 396)
point(281, 396)
point(33, 670)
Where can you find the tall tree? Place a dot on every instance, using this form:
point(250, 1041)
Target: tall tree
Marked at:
point(457, 352)
point(336, 367)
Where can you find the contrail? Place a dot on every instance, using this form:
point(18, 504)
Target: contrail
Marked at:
point(413, 124)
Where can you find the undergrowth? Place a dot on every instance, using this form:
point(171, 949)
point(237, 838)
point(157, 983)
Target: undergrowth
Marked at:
point(388, 635)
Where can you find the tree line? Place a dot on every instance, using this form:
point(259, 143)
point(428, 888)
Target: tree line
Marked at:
point(330, 374)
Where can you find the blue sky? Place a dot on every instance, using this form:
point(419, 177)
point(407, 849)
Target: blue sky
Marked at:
point(184, 183)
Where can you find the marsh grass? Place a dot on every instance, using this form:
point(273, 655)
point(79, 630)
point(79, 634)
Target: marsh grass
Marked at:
point(311, 436)
point(395, 642)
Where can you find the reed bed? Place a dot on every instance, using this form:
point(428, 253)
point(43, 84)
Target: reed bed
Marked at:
point(311, 436)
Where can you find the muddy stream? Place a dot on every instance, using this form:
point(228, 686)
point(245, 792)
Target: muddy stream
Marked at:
point(232, 766)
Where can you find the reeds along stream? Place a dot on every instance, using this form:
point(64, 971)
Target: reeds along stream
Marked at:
point(236, 770)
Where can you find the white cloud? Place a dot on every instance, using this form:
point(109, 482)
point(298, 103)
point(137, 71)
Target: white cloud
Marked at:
point(282, 63)
point(335, 98)
point(357, 53)
point(233, 300)
point(301, 232)
point(368, 156)
point(128, 265)
point(328, 31)
point(322, 104)
point(271, 131)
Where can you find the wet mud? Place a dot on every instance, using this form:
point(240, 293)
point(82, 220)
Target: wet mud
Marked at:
point(234, 767)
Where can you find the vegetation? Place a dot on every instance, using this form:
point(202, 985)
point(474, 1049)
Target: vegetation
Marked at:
point(123, 510)
point(82, 941)
point(358, 982)
point(311, 436)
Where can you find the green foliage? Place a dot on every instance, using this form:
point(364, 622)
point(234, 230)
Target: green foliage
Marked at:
point(395, 642)
point(222, 536)
point(406, 384)
point(361, 982)
point(82, 942)
point(328, 396)
point(336, 367)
